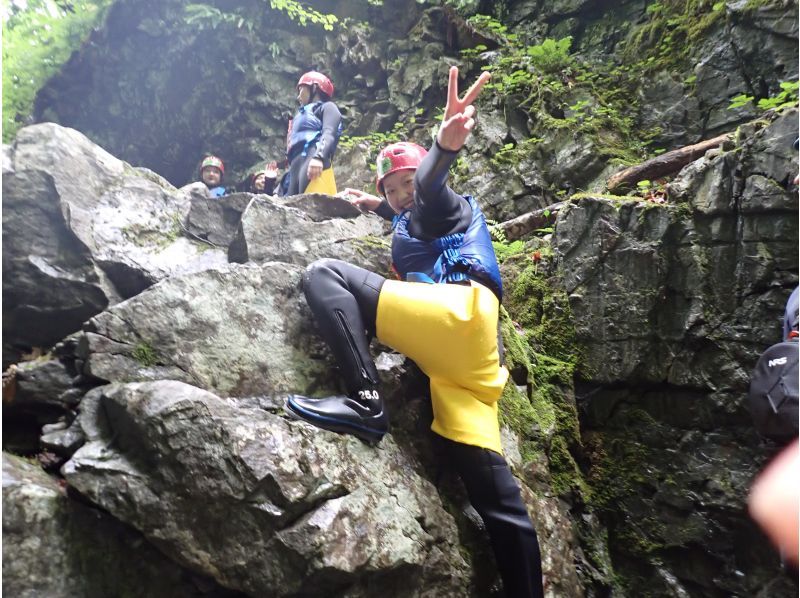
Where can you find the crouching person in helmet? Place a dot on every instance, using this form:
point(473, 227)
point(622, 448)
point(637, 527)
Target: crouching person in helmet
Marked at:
point(212, 171)
point(263, 181)
point(313, 136)
point(443, 314)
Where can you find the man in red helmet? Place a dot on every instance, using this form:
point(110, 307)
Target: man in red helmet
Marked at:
point(443, 314)
point(211, 171)
point(313, 135)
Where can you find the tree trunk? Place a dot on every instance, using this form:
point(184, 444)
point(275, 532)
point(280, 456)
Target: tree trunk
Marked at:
point(521, 225)
point(664, 164)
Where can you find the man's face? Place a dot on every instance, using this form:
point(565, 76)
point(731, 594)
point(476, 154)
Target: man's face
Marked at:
point(211, 176)
point(303, 94)
point(398, 188)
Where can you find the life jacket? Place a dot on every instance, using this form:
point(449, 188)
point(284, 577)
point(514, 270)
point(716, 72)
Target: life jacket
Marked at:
point(453, 258)
point(774, 390)
point(305, 129)
point(216, 191)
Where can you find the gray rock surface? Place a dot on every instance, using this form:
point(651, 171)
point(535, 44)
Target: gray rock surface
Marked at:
point(56, 547)
point(81, 231)
point(673, 304)
point(307, 228)
point(241, 330)
point(266, 505)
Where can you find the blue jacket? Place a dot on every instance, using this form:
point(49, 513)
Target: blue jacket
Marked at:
point(452, 258)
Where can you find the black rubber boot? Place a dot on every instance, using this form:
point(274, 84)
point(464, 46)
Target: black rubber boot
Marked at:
point(361, 415)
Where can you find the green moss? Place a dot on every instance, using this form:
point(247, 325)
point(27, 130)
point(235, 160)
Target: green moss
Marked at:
point(542, 308)
point(539, 336)
point(145, 354)
point(371, 241)
point(159, 238)
point(643, 539)
point(532, 423)
point(564, 471)
point(618, 465)
point(673, 29)
point(517, 351)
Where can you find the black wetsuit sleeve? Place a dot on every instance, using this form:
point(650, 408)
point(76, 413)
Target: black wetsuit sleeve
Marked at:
point(438, 210)
point(269, 185)
point(385, 211)
point(331, 118)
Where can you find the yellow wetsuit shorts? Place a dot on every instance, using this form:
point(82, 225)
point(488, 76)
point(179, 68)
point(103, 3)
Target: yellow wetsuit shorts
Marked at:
point(450, 331)
point(324, 183)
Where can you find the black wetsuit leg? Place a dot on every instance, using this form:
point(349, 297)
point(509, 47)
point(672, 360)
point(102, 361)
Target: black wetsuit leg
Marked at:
point(494, 493)
point(344, 300)
point(298, 174)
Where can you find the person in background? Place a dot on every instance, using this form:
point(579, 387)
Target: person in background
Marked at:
point(212, 171)
point(263, 181)
point(313, 136)
point(444, 315)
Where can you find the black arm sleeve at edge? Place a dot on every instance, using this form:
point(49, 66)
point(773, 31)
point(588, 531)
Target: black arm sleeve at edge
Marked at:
point(385, 211)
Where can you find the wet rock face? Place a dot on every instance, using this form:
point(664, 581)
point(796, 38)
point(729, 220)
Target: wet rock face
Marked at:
point(285, 509)
point(239, 331)
point(673, 305)
point(82, 230)
point(54, 546)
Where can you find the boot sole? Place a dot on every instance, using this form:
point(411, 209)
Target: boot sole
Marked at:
point(368, 435)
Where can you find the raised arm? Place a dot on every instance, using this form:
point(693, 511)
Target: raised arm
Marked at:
point(439, 209)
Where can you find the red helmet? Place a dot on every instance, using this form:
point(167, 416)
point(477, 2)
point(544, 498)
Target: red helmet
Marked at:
point(212, 161)
point(314, 78)
point(398, 156)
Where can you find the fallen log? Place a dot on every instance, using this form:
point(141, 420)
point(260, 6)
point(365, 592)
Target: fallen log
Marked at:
point(664, 164)
point(520, 226)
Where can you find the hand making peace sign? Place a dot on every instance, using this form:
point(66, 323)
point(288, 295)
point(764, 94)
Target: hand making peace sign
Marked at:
point(458, 114)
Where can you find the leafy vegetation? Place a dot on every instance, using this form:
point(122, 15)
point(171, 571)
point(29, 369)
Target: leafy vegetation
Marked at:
point(560, 91)
point(208, 16)
point(786, 98)
point(38, 37)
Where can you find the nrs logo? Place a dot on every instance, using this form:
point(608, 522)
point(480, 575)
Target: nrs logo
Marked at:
point(773, 362)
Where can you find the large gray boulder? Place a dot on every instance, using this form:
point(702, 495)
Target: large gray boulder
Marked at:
point(57, 547)
point(266, 505)
point(245, 331)
point(305, 228)
point(241, 330)
point(81, 231)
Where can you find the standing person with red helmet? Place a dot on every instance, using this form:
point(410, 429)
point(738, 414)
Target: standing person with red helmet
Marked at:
point(313, 135)
point(443, 314)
